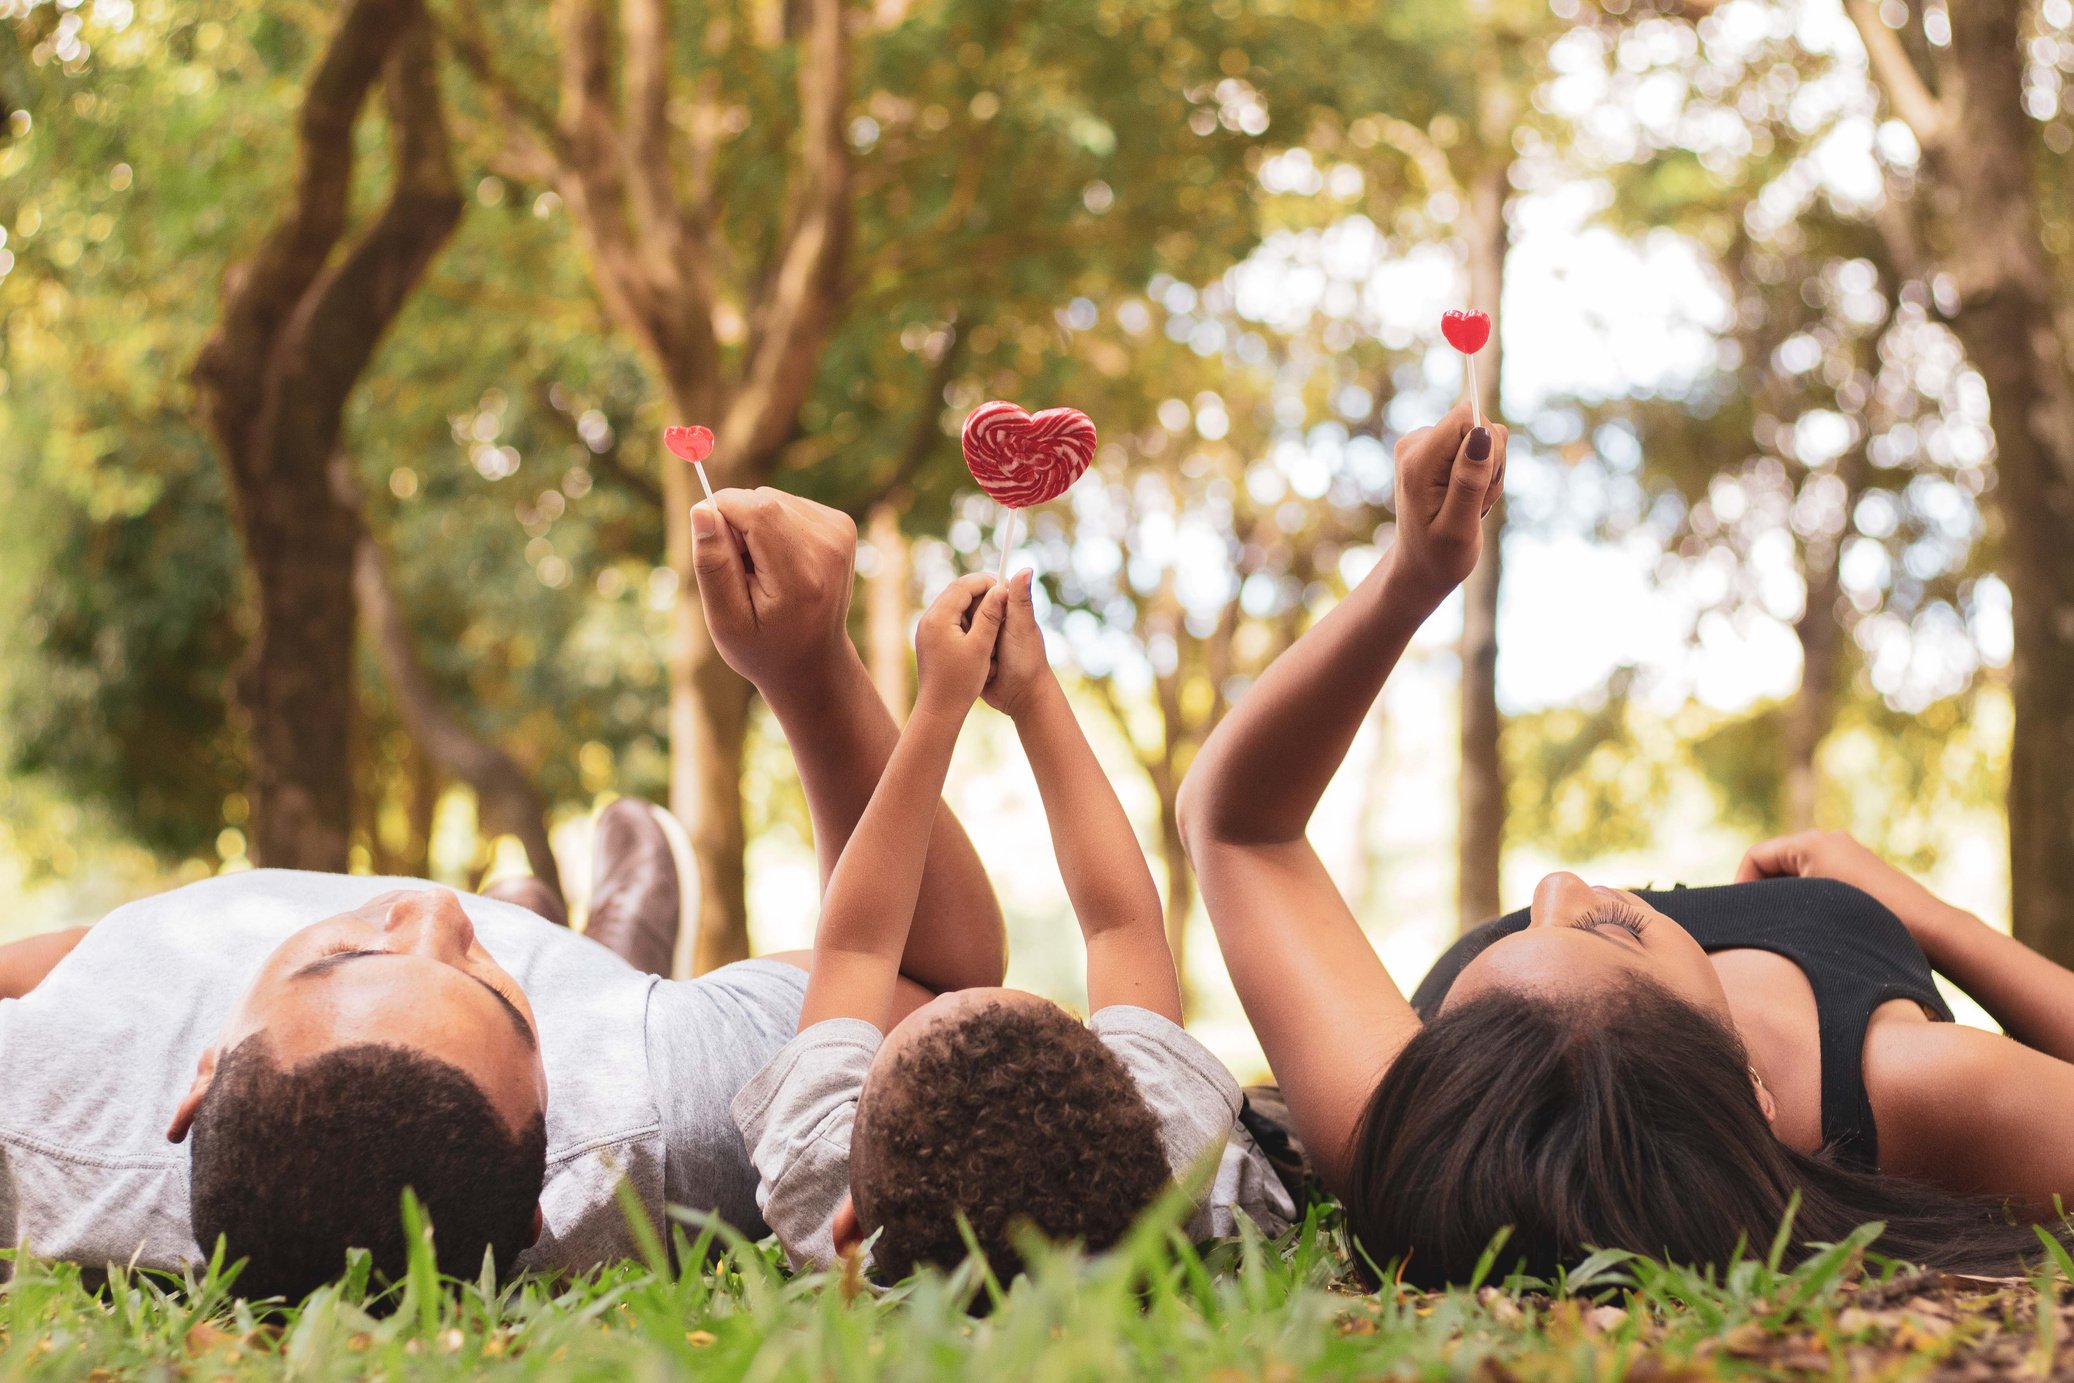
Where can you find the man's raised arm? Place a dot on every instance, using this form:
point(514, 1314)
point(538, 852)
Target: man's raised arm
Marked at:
point(775, 576)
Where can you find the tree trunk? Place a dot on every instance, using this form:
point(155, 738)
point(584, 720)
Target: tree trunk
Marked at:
point(2007, 321)
point(294, 682)
point(886, 608)
point(298, 327)
point(1180, 890)
point(650, 220)
point(1812, 713)
point(1813, 709)
point(1980, 152)
point(1481, 828)
point(710, 719)
point(507, 803)
point(1359, 871)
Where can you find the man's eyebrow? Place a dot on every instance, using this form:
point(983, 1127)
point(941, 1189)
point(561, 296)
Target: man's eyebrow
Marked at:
point(324, 965)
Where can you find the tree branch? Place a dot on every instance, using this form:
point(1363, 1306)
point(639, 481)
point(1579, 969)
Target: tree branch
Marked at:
point(645, 41)
point(261, 294)
point(792, 322)
point(343, 317)
point(1421, 152)
point(1896, 75)
point(608, 461)
point(529, 125)
point(507, 801)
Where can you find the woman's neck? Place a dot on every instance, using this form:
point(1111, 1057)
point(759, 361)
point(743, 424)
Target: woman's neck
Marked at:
point(1775, 1015)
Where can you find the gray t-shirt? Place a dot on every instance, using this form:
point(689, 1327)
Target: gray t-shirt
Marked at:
point(797, 1114)
point(94, 1061)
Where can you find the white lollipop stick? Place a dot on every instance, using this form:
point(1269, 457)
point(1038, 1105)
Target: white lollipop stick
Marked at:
point(704, 484)
point(1005, 535)
point(1475, 402)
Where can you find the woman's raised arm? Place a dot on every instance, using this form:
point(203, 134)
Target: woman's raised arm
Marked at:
point(1330, 1017)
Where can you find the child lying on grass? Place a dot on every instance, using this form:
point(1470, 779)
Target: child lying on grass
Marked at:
point(993, 1104)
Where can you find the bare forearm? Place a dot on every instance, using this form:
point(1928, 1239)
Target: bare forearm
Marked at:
point(2030, 996)
point(841, 737)
point(23, 964)
point(868, 911)
point(1260, 776)
point(1104, 868)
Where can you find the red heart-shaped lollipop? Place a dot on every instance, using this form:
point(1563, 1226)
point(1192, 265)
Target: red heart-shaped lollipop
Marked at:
point(1021, 459)
point(1465, 331)
point(689, 443)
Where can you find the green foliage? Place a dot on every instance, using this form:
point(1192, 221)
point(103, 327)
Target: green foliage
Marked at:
point(120, 567)
point(1589, 780)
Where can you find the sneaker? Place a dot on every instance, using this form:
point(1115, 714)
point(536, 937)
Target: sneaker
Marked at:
point(530, 894)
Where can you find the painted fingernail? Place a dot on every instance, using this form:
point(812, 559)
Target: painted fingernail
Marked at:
point(1479, 444)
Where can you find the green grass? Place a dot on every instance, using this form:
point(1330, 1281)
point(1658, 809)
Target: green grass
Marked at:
point(1154, 1308)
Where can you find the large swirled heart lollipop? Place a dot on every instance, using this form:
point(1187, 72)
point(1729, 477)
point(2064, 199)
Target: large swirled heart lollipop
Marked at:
point(1021, 459)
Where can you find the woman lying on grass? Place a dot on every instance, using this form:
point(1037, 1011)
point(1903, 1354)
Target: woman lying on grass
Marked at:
point(1660, 1073)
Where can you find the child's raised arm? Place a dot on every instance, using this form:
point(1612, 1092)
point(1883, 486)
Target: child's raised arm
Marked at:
point(870, 902)
point(1128, 960)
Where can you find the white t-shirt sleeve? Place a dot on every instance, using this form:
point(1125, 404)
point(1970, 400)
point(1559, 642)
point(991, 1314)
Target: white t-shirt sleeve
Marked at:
point(1191, 1094)
point(1196, 1101)
point(795, 1117)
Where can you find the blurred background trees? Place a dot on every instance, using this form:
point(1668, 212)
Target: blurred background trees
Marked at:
point(1781, 288)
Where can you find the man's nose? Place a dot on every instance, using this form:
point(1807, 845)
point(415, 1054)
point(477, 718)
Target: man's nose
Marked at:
point(431, 922)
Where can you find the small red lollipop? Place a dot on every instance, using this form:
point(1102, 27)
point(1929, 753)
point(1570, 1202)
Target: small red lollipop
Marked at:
point(1020, 458)
point(1465, 331)
point(1468, 332)
point(693, 444)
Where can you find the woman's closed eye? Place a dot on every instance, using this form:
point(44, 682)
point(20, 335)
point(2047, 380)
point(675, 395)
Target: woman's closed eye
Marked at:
point(1626, 919)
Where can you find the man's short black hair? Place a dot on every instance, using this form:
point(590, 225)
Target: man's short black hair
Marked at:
point(1013, 1115)
point(293, 1167)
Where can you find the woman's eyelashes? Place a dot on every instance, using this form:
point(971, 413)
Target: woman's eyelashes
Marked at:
point(1627, 919)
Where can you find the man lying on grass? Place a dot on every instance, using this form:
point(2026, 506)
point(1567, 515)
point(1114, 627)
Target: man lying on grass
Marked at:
point(320, 1041)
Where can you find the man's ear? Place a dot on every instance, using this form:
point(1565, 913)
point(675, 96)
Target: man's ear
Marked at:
point(847, 1233)
point(204, 1077)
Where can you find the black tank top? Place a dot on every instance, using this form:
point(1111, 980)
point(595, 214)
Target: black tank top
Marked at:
point(1855, 953)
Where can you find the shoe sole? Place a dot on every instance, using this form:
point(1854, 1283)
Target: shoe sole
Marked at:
point(688, 889)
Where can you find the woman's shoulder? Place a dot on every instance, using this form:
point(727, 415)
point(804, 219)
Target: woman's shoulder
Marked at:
point(1939, 1089)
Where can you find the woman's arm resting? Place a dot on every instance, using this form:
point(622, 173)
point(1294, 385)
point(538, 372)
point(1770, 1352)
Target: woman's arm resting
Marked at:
point(2030, 996)
point(23, 964)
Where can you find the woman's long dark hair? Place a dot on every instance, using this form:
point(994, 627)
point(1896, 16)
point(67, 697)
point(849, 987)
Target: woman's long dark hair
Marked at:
point(1626, 1120)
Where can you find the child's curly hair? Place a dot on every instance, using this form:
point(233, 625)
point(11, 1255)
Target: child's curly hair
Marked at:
point(1015, 1115)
